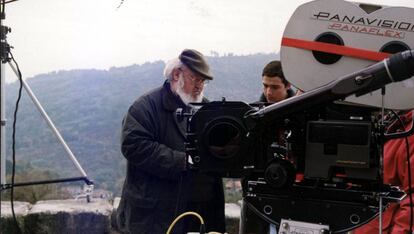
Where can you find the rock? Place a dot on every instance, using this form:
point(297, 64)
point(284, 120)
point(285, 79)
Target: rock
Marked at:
point(115, 205)
point(69, 216)
point(97, 206)
point(7, 223)
point(232, 210)
point(77, 216)
point(232, 218)
point(20, 208)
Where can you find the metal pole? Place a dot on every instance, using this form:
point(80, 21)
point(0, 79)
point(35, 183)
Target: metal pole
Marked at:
point(380, 215)
point(381, 157)
point(50, 123)
point(3, 125)
point(2, 102)
point(2, 107)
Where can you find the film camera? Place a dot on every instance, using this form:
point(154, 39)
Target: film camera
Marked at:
point(311, 158)
point(317, 158)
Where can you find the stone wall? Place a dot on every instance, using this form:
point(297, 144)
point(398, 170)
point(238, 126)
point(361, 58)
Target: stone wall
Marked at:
point(76, 217)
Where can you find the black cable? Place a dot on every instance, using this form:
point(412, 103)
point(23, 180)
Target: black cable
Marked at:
point(409, 170)
point(14, 144)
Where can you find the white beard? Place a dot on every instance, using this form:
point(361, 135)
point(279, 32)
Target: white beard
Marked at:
point(187, 98)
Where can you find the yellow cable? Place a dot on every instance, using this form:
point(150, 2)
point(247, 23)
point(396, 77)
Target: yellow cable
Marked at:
point(182, 215)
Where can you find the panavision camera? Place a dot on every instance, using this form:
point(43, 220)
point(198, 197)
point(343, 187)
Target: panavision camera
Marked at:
point(311, 158)
point(314, 161)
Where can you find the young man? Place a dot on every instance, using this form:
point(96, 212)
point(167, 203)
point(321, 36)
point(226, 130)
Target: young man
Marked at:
point(275, 87)
point(158, 188)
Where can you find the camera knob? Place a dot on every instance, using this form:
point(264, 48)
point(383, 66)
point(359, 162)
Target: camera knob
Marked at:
point(279, 173)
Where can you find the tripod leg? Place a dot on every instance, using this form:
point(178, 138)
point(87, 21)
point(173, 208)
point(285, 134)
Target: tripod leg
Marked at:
point(50, 123)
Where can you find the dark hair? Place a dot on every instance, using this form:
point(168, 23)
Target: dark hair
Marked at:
point(274, 68)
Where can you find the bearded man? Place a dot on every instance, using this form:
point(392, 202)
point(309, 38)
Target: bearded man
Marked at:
point(158, 187)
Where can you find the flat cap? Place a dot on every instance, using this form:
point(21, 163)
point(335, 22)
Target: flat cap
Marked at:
point(196, 62)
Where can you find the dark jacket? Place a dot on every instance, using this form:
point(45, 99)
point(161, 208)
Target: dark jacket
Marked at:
point(157, 187)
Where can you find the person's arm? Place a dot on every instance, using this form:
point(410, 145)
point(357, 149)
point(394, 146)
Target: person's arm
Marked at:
point(396, 218)
point(396, 173)
point(401, 219)
point(140, 147)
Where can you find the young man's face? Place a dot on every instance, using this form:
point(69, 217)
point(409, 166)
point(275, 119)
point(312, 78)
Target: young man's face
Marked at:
point(274, 89)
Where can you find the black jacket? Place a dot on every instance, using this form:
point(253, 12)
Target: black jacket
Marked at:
point(157, 182)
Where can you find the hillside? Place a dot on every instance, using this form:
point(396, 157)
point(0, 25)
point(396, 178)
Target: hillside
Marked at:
point(87, 106)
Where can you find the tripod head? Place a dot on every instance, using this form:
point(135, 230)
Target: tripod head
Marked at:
point(4, 47)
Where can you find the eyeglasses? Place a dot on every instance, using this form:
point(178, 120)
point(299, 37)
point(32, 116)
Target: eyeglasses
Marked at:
point(194, 79)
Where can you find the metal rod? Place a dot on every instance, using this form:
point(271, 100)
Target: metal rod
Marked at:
point(8, 186)
point(382, 154)
point(50, 123)
point(380, 215)
point(3, 125)
point(2, 101)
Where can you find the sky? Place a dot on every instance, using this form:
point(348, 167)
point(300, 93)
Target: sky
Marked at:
point(52, 35)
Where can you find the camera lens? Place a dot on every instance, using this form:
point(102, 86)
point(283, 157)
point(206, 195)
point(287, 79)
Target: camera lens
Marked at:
point(224, 138)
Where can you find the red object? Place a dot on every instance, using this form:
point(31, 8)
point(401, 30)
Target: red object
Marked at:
point(299, 177)
point(335, 49)
point(396, 218)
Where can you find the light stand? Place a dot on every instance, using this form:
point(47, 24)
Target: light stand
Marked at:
point(2, 98)
point(2, 126)
point(5, 58)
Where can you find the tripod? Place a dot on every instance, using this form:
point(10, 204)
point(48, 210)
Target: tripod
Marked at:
point(6, 58)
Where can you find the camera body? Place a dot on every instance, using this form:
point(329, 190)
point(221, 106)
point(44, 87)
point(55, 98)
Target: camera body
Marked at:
point(302, 166)
point(332, 143)
point(317, 157)
point(312, 152)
